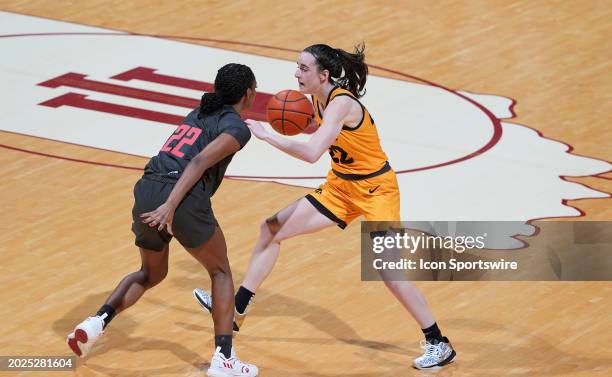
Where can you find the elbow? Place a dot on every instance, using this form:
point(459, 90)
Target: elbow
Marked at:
point(199, 163)
point(311, 158)
point(197, 160)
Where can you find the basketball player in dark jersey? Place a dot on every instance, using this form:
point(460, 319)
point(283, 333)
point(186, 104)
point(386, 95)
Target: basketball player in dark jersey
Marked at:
point(172, 199)
point(360, 182)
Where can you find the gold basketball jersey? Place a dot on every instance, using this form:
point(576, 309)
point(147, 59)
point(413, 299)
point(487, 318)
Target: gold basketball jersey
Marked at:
point(356, 150)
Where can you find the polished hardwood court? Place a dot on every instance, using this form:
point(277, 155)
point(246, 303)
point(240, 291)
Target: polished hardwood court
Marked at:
point(66, 239)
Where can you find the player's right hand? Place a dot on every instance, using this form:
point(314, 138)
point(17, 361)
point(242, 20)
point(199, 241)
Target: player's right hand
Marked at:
point(161, 217)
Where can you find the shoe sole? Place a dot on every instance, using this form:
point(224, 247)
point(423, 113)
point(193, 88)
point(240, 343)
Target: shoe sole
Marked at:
point(79, 336)
point(218, 373)
point(449, 360)
point(214, 373)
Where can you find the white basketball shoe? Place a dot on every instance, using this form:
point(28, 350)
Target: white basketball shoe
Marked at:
point(437, 354)
point(232, 367)
point(85, 335)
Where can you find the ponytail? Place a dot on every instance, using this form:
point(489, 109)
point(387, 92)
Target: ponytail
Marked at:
point(346, 70)
point(210, 103)
point(355, 70)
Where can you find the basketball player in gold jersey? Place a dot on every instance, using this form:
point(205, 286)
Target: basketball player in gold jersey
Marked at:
point(360, 182)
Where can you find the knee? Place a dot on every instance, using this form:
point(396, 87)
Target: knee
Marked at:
point(154, 278)
point(393, 286)
point(220, 272)
point(403, 288)
point(220, 269)
point(269, 229)
point(264, 230)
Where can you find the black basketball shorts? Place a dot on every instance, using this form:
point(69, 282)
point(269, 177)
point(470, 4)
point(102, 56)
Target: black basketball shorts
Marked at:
point(193, 224)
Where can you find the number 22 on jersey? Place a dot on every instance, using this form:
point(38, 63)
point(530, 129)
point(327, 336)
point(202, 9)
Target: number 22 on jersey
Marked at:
point(184, 134)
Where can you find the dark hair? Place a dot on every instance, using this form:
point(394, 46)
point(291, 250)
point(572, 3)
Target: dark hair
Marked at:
point(349, 71)
point(231, 84)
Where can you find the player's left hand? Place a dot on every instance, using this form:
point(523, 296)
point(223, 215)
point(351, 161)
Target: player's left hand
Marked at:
point(160, 217)
point(256, 128)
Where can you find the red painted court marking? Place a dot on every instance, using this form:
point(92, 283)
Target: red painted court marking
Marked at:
point(78, 80)
point(497, 129)
point(496, 122)
point(81, 101)
point(494, 139)
point(68, 158)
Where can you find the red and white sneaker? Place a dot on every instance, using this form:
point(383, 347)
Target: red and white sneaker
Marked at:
point(232, 367)
point(85, 335)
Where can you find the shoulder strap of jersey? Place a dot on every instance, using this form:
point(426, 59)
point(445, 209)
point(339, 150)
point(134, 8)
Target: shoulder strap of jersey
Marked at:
point(337, 92)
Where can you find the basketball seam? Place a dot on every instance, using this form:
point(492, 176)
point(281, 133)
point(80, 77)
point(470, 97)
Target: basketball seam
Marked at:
point(283, 112)
point(289, 121)
point(294, 100)
point(289, 100)
point(292, 111)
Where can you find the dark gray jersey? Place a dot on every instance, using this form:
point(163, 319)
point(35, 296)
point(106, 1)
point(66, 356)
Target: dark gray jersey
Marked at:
point(191, 137)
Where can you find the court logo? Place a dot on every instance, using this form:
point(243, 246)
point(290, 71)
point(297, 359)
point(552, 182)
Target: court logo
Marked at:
point(457, 154)
point(80, 81)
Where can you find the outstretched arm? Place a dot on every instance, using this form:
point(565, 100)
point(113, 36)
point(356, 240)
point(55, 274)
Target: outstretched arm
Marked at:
point(223, 146)
point(310, 151)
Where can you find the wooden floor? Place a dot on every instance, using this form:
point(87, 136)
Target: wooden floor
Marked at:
point(65, 238)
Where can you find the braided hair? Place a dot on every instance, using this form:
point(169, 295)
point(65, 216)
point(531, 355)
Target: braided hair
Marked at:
point(346, 70)
point(231, 84)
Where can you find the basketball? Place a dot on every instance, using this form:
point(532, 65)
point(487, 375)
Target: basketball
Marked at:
point(289, 112)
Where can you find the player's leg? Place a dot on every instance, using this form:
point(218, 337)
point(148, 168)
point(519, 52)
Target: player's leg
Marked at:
point(299, 218)
point(438, 350)
point(213, 256)
point(153, 246)
point(380, 210)
point(383, 206)
point(323, 208)
point(153, 270)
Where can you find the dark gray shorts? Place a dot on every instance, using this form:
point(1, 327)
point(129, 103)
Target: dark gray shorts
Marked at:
point(193, 224)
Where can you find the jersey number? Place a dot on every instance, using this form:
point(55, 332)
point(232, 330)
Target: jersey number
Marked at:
point(334, 150)
point(186, 135)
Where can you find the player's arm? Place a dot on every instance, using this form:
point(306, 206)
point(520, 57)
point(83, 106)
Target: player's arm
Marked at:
point(310, 151)
point(223, 146)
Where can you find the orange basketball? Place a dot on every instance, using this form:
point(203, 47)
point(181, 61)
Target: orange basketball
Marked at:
point(289, 112)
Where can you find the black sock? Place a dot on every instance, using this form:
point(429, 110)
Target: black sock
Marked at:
point(109, 311)
point(243, 297)
point(433, 333)
point(225, 342)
